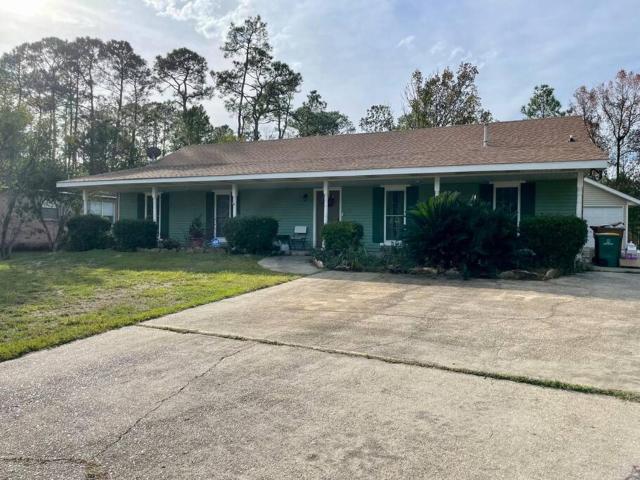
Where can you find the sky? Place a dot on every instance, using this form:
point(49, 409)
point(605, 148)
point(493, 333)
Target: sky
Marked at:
point(357, 53)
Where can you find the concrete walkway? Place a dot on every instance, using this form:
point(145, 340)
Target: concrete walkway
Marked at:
point(297, 264)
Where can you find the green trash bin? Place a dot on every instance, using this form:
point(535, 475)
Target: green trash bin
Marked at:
point(608, 249)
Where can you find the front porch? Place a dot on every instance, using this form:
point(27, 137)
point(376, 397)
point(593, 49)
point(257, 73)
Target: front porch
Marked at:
point(378, 203)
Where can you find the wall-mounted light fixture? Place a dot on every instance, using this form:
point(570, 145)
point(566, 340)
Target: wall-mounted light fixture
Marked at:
point(305, 197)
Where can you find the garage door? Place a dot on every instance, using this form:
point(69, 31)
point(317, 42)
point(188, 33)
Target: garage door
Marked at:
point(602, 216)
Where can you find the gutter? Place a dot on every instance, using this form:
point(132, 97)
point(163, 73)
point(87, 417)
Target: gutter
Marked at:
point(490, 168)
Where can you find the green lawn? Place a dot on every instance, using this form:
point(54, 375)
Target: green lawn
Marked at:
point(50, 298)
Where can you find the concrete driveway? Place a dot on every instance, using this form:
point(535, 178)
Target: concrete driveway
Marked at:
point(144, 403)
point(583, 329)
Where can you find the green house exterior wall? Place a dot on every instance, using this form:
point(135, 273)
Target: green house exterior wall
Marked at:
point(290, 206)
point(356, 207)
point(294, 206)
point(556, 197)
point(184, 207)
point(129, 206)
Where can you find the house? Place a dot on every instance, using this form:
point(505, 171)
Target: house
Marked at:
point(29, 232)
point(533, 167)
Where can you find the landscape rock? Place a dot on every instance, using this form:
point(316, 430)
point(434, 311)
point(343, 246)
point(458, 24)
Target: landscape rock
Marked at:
point(519, 275)
point(452, 273)
point(552, 273)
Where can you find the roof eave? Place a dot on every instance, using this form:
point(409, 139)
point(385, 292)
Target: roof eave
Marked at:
point(613, 191)
point(382, 172)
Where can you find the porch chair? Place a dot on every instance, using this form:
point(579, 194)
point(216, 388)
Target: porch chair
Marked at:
point(299, 238)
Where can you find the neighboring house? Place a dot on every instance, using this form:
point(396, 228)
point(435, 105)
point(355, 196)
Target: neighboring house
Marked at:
point(533, 167)
point(30, 232)
point(606, 206)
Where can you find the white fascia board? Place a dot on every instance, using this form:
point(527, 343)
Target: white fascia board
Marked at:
point(503, 167)
point(613, 191)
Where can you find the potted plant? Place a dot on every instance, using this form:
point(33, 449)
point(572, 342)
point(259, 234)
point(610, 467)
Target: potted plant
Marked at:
point(196, 232)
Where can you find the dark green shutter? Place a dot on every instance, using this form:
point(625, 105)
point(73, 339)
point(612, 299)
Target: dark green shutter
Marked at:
point(377, 221)
point(238, 204)
point(528, 199)
point(164, 215)
point(141, 212)
point(485, 193)
point(412, 197)
point(209, 213)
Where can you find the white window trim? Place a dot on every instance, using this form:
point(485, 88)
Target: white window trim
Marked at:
point(102, 201)
point(215, 211)
point(514, 184)
point(393, 188)
point(315, 207)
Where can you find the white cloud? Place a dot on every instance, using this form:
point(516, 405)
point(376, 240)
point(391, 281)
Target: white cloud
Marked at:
point(406, 42)
point(437, 47)
point(211, 18)
point(456, 52)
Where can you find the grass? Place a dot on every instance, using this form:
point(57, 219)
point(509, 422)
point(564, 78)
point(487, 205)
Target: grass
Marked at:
point(47, 299)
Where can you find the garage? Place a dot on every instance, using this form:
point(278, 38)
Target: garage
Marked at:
point(603, 205)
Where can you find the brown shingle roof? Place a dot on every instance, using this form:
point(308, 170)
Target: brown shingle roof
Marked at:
point(524, 141)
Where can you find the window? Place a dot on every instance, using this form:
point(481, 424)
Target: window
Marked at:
point(103, 208)
point(394, 213)
point(506, 195)
point(49, 211)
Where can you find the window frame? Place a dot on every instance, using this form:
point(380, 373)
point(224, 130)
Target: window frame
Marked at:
point(393, 188)
point(512, 184)
point(102, 201)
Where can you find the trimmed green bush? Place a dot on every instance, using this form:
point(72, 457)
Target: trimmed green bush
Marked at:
point(555, 239)
point(88, 232)
point(447, 232)
point(251, 234)
point(170, 244)
point(342, 236)
point(130, 235)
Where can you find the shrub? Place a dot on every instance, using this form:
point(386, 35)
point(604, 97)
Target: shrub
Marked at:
point(447, 232)
point(88, 232)
point(342, 236)
point(130, 235)
point(170, 244)
point(251, 234)
point(555, 239)
point(196, 230)
point(396, 259)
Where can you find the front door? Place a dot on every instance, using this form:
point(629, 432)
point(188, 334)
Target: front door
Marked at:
point(223, 212)
point(334, 211)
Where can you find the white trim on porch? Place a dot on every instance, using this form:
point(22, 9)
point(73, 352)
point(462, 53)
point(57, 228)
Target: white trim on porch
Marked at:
point(315, 208)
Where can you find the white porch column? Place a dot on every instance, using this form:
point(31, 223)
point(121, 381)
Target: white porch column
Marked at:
point(234, 200)
point(85, 202)
point(325, 199)
point(436, 186)
point(154, 197)
point(580, 186)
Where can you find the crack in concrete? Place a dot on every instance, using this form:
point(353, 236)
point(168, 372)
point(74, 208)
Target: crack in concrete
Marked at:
point(172, 395)
point(93, 470)
point(515, 378)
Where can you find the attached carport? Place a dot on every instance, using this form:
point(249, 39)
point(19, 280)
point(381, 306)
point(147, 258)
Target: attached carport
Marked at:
point(606, 206)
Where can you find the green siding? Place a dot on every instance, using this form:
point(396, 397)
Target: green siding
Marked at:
point(357, 204)
point(129, 206)
point(184, 207)
point(287, 205)
point(467, 190)
point(425, 191)
point(556, 197)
